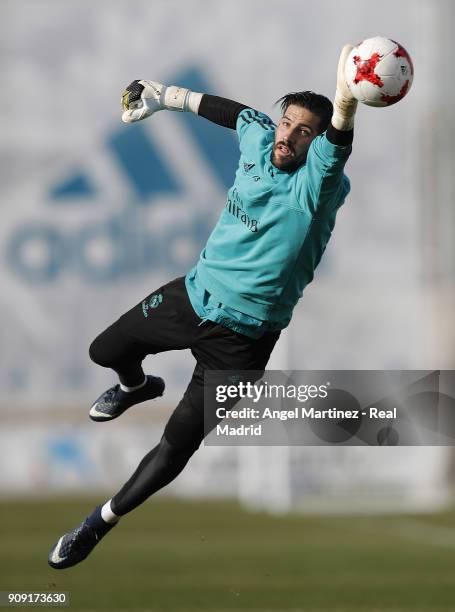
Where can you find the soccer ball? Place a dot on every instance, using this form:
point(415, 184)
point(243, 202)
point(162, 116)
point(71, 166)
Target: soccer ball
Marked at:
point(379, 71)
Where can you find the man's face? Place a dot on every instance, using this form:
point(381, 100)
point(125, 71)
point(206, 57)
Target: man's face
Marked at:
point(294, 133)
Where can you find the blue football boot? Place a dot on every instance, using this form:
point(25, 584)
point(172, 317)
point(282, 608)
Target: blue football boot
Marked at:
point(113, 402)
point(77, 544)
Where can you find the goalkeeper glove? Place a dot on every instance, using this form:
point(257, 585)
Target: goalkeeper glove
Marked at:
point(142, 99)
point(344, 105)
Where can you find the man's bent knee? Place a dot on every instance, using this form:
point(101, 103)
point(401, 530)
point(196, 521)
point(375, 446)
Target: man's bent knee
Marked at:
point(99, 353)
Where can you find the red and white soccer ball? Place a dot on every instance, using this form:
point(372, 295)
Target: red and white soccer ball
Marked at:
point(379, 71)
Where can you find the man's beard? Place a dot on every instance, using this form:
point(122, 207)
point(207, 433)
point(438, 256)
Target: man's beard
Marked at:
point(287, 164)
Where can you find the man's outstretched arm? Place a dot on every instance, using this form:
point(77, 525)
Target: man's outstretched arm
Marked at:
point(142, 99)
point(330, 151)
point(341, 128)
point(220, 110)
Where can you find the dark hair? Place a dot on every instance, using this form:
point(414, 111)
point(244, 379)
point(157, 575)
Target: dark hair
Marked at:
point(316, 103)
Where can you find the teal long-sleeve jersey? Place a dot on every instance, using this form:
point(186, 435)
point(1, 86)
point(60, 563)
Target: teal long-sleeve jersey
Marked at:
point(275, 225)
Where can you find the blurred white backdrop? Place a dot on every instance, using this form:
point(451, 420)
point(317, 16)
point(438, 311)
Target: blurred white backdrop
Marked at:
point(96, 214)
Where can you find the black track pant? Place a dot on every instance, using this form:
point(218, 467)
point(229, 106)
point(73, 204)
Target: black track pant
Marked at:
point(166, 321)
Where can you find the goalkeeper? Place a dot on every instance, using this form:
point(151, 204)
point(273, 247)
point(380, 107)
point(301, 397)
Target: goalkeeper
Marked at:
point(230, 308)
